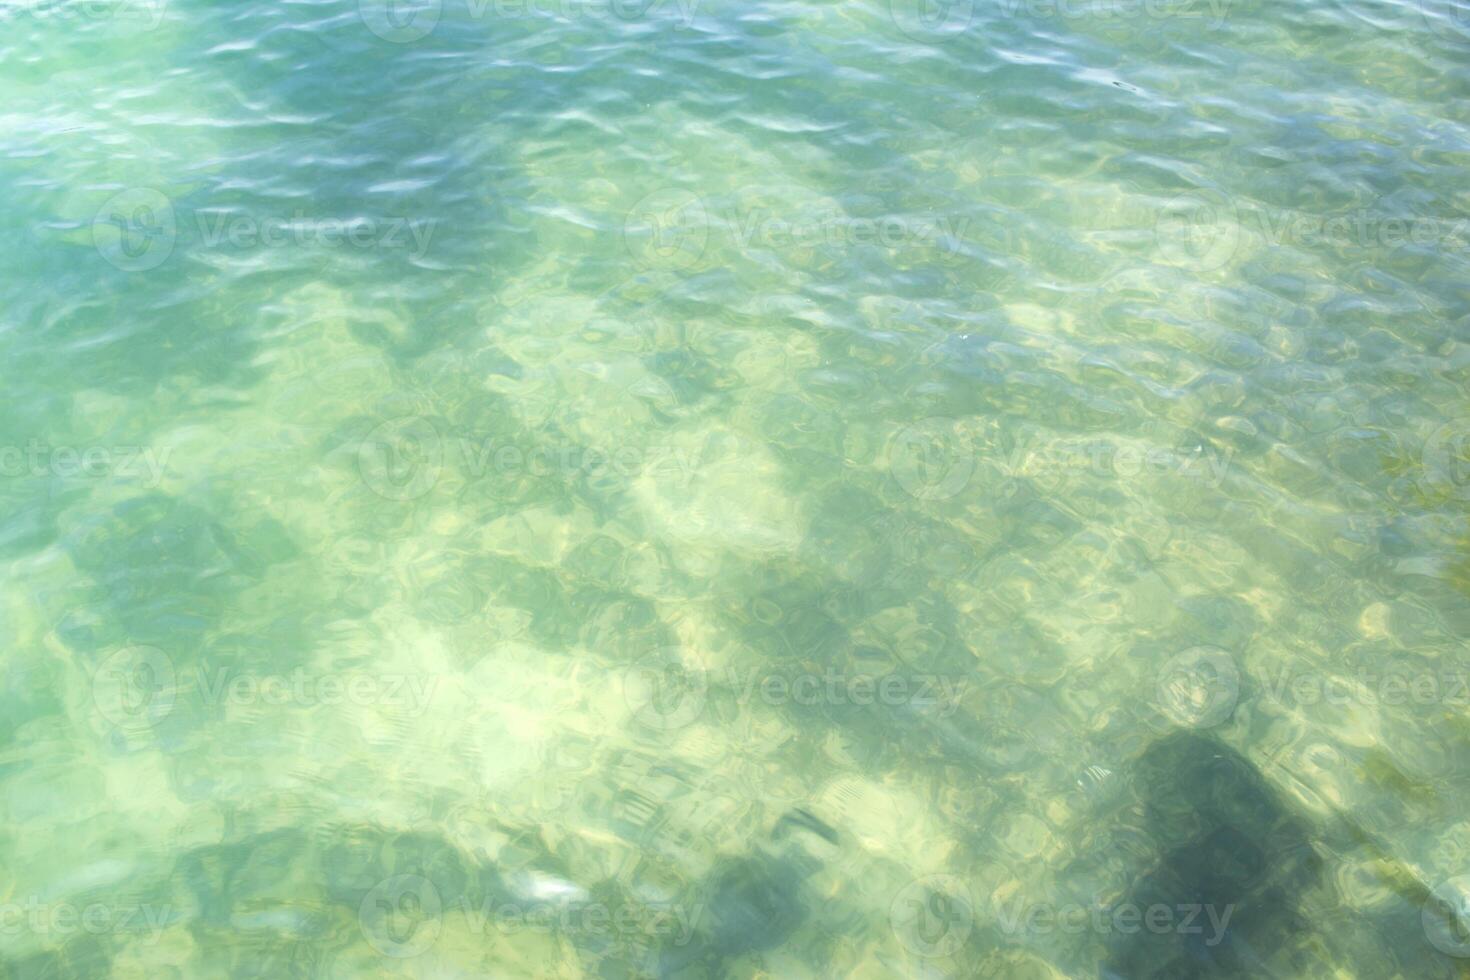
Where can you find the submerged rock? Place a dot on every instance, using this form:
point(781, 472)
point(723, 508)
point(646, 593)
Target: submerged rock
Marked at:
point(755, 901)
point(1221, 895)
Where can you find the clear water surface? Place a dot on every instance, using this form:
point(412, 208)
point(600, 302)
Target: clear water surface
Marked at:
point(657, 488)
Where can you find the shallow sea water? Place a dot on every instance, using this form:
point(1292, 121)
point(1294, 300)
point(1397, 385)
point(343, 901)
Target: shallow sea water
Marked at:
point(710, 489)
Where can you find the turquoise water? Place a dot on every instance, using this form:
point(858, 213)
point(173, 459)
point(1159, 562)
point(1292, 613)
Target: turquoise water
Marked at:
point(688, 488)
